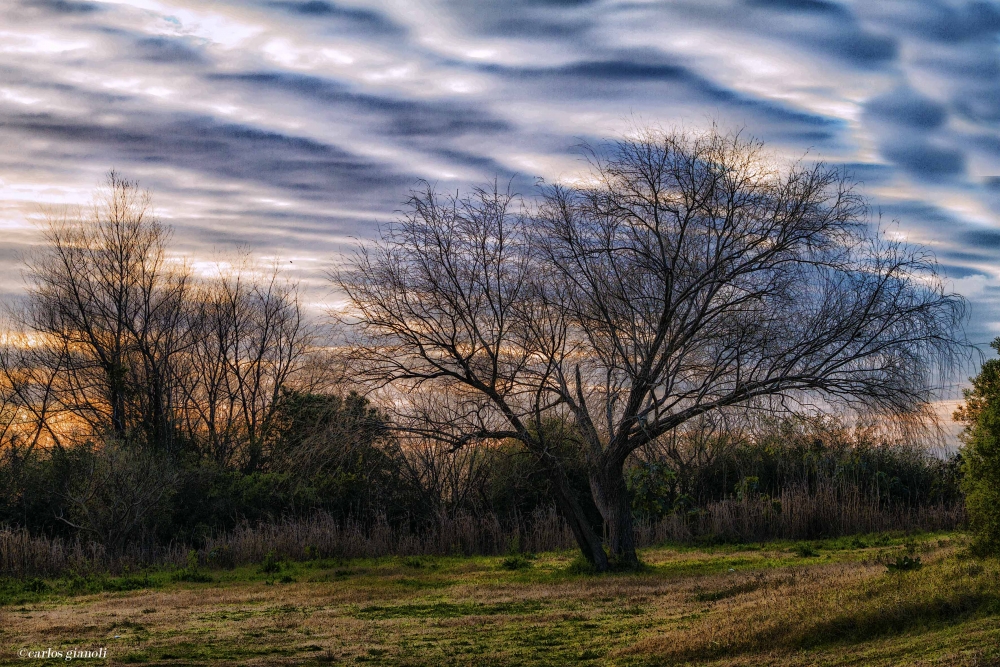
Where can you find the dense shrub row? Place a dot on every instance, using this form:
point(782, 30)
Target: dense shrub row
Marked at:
point(794, 479)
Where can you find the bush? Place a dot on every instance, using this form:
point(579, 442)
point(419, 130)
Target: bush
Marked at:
point(879, 463)
point(653, 486)
point(222, 556)
point(121, 492)
point(581, 565)
point(414, 562)
point(904, 563)
point(270, 565)
point(981, 454)
point(191, 573)
point(804, 550)
point(515, 562)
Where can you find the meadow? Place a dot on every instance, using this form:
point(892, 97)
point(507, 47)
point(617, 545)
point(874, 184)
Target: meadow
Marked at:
point(864, 600)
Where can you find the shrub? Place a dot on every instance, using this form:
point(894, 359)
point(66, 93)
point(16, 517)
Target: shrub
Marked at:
point(515, 562)
point(804, 550)
point(191, 573)
point(222, 556)
point(904, 563)
point(120, 493)
point(653, 486)
point(981, 455)
point(270, 565)
point(581, 565)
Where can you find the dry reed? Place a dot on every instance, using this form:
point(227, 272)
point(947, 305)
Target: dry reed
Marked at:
point(799, 513)
point(828, 510)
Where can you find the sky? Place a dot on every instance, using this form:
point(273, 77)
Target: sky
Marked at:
point(296, 127)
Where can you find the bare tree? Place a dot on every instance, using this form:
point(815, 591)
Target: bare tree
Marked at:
point(248, 339)
point(107, 305)
point(448, 477)
point(127, 346)
point(447, 303)
point(119, 352)
point(29, 384)
point(688, 276)
point(697, 445)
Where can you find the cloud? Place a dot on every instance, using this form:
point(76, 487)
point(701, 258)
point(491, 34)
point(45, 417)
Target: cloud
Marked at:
point(906, 121)
point(64, 6)
point(980, 105)
point(632, 76)
point(295, 124)
point(982, 238)
point(828, 28)
point(799, 5)
point(904, 106)
point(548, 19)
point(951, 23)
point(400, 117)
point(959, 272)
point(860, 48)
point(169, 50)
point(230, 150)
point(622, 69)
point(925, 160)
point(369, 21)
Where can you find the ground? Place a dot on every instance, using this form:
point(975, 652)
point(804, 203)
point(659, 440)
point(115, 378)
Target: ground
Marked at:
point(854, 601)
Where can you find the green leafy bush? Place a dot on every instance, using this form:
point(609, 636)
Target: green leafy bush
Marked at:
point(804, 550)
point(516, 562)
point(904, 563)
point(192, 573)
point(653, 486)
point(270, 564)
point(981, 454)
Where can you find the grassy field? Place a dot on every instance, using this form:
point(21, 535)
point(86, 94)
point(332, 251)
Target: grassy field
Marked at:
point(823, 603)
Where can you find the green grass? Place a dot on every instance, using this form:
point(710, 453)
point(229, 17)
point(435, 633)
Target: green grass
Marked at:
point(831, 602)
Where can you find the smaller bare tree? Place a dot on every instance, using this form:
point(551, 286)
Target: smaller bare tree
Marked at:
point(29, 384)
point(108, 305)
point(249, 338)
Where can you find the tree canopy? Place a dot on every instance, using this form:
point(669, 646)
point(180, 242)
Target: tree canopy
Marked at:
point(686, 275)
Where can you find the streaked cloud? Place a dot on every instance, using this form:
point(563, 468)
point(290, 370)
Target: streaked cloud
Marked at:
point(294, 126)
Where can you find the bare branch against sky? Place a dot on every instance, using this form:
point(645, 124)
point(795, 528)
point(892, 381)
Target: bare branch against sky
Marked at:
point(687, 275)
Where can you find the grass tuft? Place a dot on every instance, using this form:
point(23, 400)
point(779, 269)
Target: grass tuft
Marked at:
point(516, 562)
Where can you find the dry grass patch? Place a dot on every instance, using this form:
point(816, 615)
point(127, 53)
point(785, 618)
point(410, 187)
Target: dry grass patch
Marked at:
point(728, 606)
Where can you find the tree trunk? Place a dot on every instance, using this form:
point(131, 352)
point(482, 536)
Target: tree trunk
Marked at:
point(611, 496)
point(116, 398)
point(589, 541)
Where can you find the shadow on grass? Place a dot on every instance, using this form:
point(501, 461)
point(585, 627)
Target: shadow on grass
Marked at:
point(879, 622)
point(448, 610)
point(581, 566)
point(21, 591)
point(876, 622)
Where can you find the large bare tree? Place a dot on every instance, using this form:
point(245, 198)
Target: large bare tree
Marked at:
point(686, 276)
